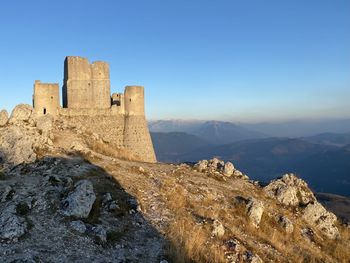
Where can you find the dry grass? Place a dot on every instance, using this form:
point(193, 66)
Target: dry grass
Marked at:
point(112, 150)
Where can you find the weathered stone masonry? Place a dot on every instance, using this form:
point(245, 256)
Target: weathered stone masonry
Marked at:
point(118, 119)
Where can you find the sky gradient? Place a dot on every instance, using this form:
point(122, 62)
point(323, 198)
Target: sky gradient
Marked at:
point(198, 59)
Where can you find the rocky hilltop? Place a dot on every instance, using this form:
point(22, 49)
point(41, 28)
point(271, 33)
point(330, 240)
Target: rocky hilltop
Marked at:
point(66, 195)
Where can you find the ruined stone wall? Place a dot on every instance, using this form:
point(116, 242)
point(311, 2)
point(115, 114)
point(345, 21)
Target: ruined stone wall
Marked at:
point(107, 124)
point(84, 85)
point(46, 98)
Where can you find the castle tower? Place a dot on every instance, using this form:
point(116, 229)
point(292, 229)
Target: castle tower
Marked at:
point(85, 85)
point(136, 134)
point(46, 98)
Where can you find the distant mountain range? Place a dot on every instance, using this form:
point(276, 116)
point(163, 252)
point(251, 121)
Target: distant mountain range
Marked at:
point(328, 138)
point(214, 132)
point(301, 128)
point(322, 160)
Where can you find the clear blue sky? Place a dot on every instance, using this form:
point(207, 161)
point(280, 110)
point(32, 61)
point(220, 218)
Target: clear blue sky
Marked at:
point(198, 59)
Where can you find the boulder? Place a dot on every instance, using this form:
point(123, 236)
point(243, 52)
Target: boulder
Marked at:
point(228, 169)
point(255, 209)
point(201, 166)
point(290, 190)
point(21, 112)
point(79, 202)
point(286, 224)
point(4, 117)
point(11, 226)
point(218, 229)
point(317, 216)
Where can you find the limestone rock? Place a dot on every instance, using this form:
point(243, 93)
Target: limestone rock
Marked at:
point(290, 190)
point(255, 209)
point(79, 202)
point(16, 146)
point(4, 116)
point(218, 229)
point(21, 112)
point(286, 224)
point(78, 226)
point(215, 164)
point(201, 166)
point(11, 226)
point(316, 215)
point(228, 169)
point(44, 123)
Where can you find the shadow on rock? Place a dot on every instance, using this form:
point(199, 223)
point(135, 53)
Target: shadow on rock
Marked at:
point(69, 210)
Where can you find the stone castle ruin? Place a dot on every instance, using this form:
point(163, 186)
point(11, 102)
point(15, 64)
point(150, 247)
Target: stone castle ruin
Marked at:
point(118, 119)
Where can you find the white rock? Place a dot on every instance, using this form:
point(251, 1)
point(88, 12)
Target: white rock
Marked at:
point(79, 202)
point(228, 169)
point(218, 229)
point(255, 209)
point(316, 215)
point(17, 146)
point(4, 116)
point(290, 190)
point(45, 124)
point(21, 112)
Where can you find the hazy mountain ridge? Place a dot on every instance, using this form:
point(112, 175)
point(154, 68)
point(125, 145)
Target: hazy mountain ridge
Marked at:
point(336, 139)
point(215, 132)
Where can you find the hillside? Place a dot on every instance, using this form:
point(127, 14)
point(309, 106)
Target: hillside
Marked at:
point(265, 159)
point(336, 139)
point(67, 196)
point(169, 146)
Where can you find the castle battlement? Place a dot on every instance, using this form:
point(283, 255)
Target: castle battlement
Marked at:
point(86, 100)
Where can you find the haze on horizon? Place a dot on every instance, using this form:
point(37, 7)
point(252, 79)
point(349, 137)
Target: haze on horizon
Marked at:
point(223, 60)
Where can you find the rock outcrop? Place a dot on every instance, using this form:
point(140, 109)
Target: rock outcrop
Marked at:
point(294, 192)
point(21, 112)
point(17, 145)
point(216, 165)
point(317, 216)
point(290, 190)
point(4, 117)
point(79, 202)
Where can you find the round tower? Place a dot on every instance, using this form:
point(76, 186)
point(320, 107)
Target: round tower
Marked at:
point(136, 134)
point(134, 100)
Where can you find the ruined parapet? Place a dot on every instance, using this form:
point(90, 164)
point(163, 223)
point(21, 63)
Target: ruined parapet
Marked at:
point(136, 134)
point(46, 98)
point(85, 85)
point(118, 103)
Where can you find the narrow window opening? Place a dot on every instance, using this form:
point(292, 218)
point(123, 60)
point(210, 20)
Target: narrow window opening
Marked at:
point(44, 111)
point(130, 99)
